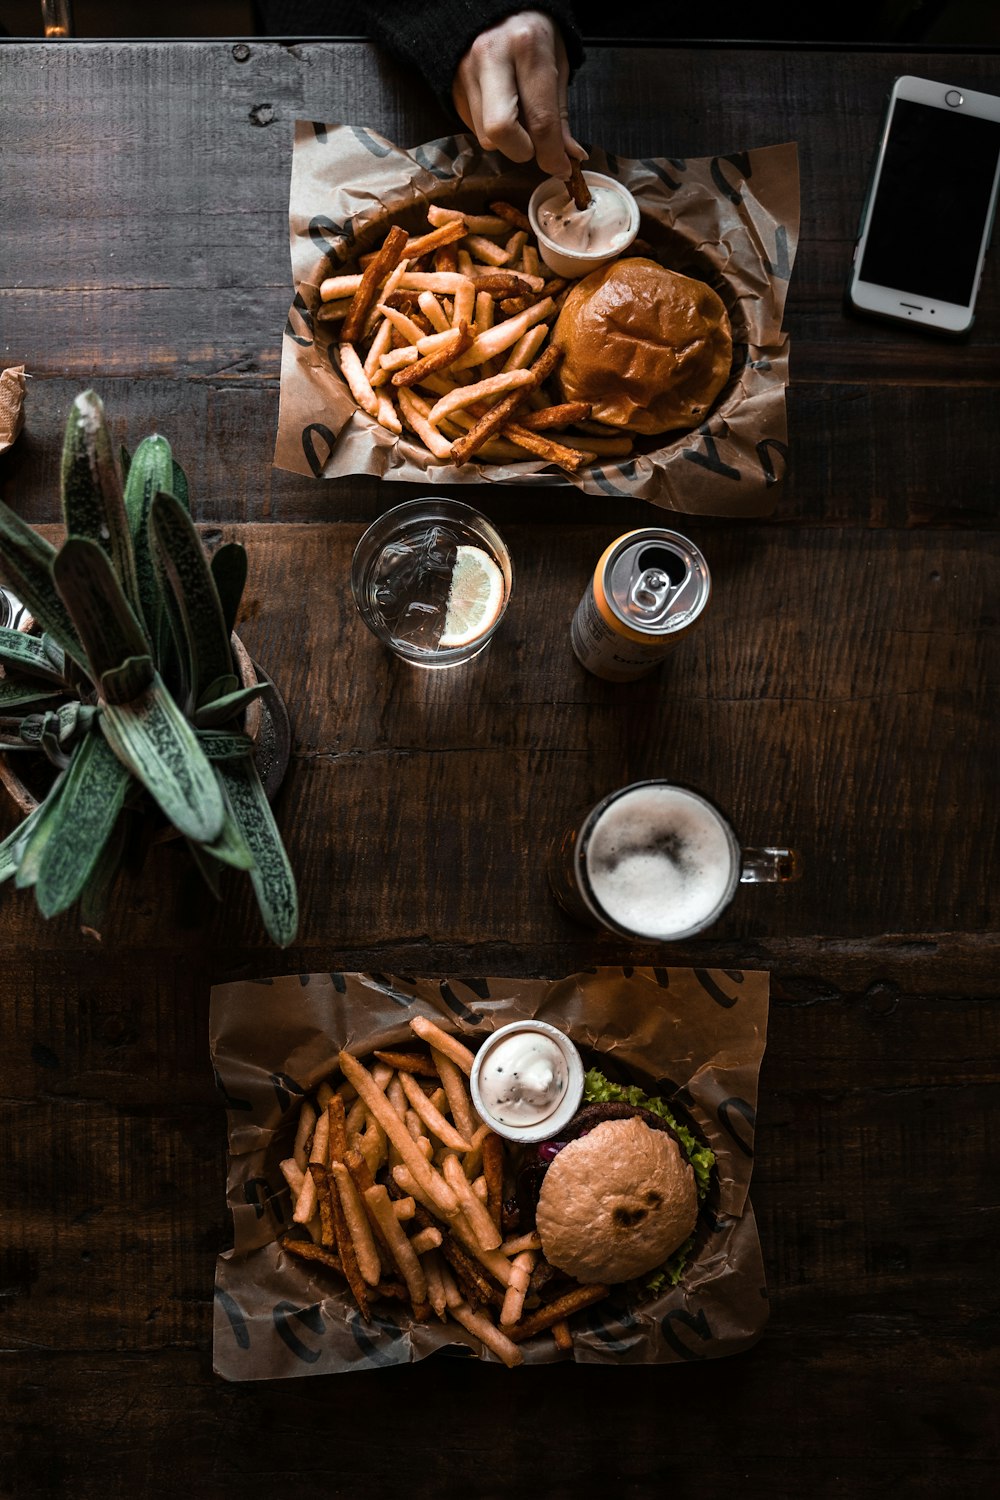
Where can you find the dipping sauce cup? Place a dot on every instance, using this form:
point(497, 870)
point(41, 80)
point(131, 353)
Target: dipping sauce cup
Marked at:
point(573, 242)
point(527, 1081)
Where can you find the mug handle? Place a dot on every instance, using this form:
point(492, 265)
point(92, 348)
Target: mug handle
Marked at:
point(769, 866)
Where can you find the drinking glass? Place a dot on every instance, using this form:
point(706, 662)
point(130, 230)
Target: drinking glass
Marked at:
point(432, 579)
point(659, 862)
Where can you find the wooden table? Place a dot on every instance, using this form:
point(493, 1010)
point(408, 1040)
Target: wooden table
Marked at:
point(840, 696)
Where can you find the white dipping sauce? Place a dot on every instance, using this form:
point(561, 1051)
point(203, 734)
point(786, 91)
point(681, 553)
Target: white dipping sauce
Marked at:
point(523, 1078)
point(600, 229)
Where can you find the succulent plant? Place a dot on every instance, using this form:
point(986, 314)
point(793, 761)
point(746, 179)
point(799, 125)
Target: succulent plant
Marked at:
point(129, 686)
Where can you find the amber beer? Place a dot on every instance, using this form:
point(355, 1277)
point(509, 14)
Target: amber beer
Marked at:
point(648, 587)
point(658, 862)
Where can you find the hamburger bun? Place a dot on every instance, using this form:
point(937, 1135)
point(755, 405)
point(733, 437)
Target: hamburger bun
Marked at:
point(648, 348)
point(616, 1202)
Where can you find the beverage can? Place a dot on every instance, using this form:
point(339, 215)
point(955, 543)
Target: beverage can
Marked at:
point(648, 587)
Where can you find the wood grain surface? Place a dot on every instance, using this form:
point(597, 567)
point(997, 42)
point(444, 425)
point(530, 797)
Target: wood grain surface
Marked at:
point(840, 695)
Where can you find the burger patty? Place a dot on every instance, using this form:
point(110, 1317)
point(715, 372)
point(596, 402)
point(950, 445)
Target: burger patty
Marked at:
point(594, 1114)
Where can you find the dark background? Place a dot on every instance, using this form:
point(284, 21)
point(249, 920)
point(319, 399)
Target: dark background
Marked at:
point(937, 22)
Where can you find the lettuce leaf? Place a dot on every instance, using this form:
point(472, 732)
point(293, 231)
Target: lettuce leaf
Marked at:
point(600, 1090)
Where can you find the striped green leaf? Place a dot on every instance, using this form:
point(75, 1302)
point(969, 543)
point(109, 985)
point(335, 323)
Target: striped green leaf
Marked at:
point(96, 894)
point(181, 558)
point(229, 569)
point(26, 653)
point(218, 745)
point(231, 848)
point(20, 694)
point(12, 847)
point(93, 503)
point(105, 620)
point(225, 709)
point(272, 877)
point(153, 738)
point(151, 469)
point(26, 563)
point(39, 831)
point(91, 798)
point(179, 486)
point(123, 684)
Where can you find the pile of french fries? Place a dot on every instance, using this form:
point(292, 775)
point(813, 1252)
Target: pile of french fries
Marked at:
point(447, 335)
point(399, 1191)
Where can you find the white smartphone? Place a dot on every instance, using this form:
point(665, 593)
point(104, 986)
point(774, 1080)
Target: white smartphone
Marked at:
point(929, 210)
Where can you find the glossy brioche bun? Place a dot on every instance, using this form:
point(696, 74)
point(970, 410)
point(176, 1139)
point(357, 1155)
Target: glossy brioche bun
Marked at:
point(616, 1202)
point(649, 348)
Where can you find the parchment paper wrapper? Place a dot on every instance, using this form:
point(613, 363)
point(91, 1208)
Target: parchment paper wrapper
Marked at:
point(12, 385)
point(696, 1036)
point(731, 221)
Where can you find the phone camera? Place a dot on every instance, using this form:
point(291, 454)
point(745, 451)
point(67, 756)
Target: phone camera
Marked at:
point(953, 98)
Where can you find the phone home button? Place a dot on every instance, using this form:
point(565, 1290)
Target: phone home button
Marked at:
point(953, 99)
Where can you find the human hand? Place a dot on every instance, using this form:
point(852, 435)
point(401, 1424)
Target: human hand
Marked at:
point(511, 89)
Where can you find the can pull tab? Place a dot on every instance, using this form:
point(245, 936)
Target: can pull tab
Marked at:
point(650, 591)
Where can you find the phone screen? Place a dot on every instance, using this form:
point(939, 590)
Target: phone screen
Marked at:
point(933, 196)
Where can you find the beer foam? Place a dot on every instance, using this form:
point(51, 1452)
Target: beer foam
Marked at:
point(660, 861)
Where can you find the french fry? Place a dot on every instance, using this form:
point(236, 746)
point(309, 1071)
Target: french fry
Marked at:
point(415, 411)
point(488, 252)
point(433, 311)
point(495, 340)
point(555, 1312)
point(332, 288)
point(425, 1239)
point(293, 1175)
point(464, 306)
point(431, 1181)
point(547, 448)
point(460, 340)
point(428, 1031)
point(511, 215)
point(303, 1130)
point(387, 414)
point(414, 1124)
point(396, 359)
point(336, 1116)
point(435, 1282)
point(472, 1163)
point(354, 373)
point(412, 1272)
point(474, 223)
point(562, 1336)
point(493, 1172)
point(433, 281)
point(327, 1229)
point(458, 1099)
point(482, 1225)
point(409, 1062)
point(508, 283)
point(380, 345)
point(444, 234)
point(521, 1242)
point(307, 1250)
point(386, 261)
point(513, 1302)
point(410, 330)
point(333, 312)
point(431, 1116)
point(526, 348)
point(348, 1254)
point(487, 1333)
point(467, 395)
point(358, 1227)
point(555, 416)
point(577, 185)
point(515, 246)
point(446, 260)
point(404, 1208)
point(386, 294)
point(499, 415)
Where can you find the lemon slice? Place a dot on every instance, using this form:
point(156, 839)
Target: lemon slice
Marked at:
point(475, 598)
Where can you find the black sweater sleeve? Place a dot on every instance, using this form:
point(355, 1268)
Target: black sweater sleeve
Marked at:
point(432, 35)
point(436, 34)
